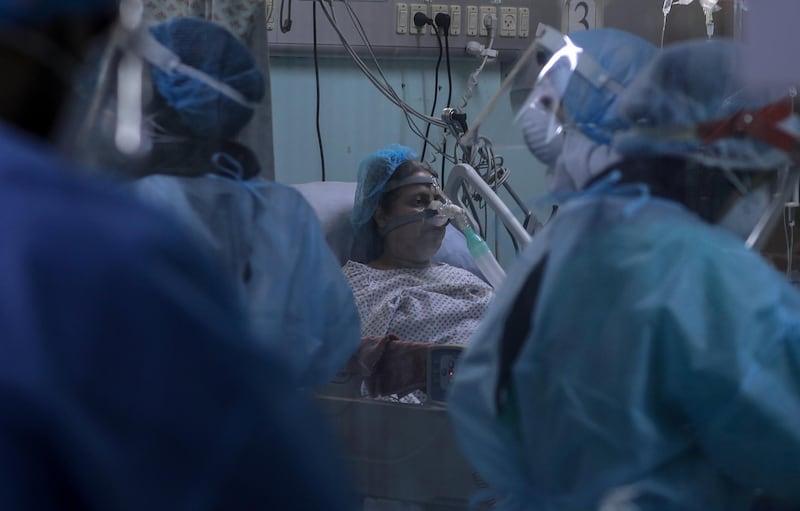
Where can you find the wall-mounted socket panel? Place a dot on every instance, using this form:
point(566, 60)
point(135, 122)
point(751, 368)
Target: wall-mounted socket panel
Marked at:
point(412, 10)
point(524, 24)
point(486, 11)
point(455, 20)
point(402, 18)
point(472, 20)
point(389, 26)
point(269, 5)
point(508, 22)
point(436, 9)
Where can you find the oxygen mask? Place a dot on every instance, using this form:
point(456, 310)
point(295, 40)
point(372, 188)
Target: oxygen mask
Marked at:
point(437, 218)
point(418, 203)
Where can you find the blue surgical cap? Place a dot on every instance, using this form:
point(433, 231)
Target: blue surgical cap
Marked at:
point(622, 56)
point(374, 172)
point(687, 84)
point(18, 12)
point(200, 109)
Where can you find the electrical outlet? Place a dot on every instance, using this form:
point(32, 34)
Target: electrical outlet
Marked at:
point(484, 12)
point(402, 18)
point(524, 22)
point(437, 8)
point(472, 20)
point(455, 19)
point(269, 6)
point(508, 22)
point(412, 10)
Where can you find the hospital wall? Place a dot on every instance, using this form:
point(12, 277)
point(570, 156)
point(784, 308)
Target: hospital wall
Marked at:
point(355, 119)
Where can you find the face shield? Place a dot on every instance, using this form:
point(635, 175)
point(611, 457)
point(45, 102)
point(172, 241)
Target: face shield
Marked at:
point(555, 102)
point(522, 77)
point(543, 118)
point(171, 98)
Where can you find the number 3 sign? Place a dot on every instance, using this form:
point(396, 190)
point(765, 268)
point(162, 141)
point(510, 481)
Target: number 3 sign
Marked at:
point(580, 14)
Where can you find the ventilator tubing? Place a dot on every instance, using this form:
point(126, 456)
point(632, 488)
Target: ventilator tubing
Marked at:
point(484, 258)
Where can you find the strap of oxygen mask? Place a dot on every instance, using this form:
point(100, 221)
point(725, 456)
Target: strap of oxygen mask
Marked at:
point(413, 180)
point(408, 219)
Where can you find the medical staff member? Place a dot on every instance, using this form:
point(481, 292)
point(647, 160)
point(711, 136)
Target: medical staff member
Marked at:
point(611, 59)
point(127, 379)
point(264, 235)
point(641, 356)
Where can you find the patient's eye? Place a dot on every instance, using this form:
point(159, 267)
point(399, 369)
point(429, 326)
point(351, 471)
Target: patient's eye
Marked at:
point(421, 200)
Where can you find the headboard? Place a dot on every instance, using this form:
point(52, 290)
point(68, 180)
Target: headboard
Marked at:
point(333, 203)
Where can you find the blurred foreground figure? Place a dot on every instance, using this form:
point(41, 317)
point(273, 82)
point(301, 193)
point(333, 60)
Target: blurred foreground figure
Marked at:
point(265, 236)
point(127, 378)
point(642, 356)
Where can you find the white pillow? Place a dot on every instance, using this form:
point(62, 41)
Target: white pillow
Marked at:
point(333, 202)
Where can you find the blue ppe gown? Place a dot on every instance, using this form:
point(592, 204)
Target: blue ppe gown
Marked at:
point(271, 245)
point(636, 358)
point(127, 378)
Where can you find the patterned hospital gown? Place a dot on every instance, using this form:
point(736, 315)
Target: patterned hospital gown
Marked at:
point(439, 304)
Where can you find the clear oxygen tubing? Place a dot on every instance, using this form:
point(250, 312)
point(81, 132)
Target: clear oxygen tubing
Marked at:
point(478, 248)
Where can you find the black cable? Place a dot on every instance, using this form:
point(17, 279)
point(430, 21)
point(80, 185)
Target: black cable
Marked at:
point(435, 91)
point(449, 87)
point(316, 77)
point(443, 20)
point(360, 29)
point(286, 24)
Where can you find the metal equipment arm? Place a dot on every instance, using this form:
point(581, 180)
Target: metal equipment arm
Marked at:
point(464, 174)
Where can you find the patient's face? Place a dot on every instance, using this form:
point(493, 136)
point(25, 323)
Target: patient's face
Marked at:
point(416, 241)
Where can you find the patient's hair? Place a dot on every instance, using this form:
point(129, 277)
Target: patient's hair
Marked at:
point(404, 170)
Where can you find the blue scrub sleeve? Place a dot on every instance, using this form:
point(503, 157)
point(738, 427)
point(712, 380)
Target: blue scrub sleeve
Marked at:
point(300, 293)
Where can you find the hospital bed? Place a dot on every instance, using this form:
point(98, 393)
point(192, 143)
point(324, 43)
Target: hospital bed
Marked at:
point(397, 452)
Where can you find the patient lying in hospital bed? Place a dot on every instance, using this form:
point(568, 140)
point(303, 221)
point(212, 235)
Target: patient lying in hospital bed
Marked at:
point(412, 276)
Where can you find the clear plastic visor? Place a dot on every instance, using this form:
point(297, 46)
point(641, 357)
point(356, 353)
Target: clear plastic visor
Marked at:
point(140, 107)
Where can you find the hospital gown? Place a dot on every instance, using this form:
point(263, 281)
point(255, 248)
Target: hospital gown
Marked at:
point(637, 356)
point(440, 304)
point(127, 379)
